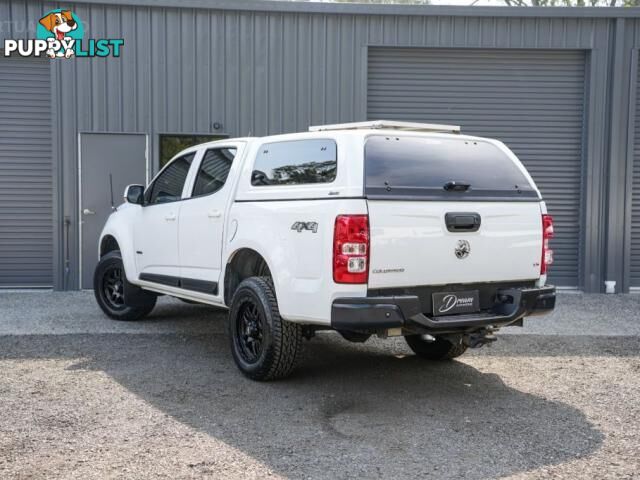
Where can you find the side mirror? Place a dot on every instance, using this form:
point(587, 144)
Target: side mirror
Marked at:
point(134, 194)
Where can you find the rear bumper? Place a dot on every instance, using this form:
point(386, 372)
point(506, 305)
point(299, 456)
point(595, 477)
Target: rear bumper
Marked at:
point(379, 313)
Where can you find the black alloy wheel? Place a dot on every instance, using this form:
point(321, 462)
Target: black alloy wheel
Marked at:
point(113, 287)
point(250, 328)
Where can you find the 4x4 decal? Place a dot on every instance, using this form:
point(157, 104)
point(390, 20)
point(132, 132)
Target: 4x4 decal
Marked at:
point(300, 226)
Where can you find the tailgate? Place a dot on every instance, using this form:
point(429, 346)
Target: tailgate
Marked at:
point(412, 245)
point(447, 209)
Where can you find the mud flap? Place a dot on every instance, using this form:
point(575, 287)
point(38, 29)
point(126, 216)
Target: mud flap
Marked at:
point(134, 296)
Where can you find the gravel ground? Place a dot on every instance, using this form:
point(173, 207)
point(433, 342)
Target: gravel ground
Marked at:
point(84, 397)
point(59, 313)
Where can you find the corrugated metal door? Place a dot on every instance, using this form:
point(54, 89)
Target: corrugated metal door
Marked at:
point(531, 100)
point(26, 226)
point(635, 197)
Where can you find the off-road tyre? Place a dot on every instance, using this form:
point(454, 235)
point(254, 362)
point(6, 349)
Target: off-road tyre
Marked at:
point(108, 287)
point(263, 345)
point(441, 349)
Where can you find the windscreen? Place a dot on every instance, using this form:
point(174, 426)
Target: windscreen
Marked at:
point(441, 169)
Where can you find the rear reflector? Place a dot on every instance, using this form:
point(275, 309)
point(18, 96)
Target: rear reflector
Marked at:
point(351, 249)
point(547, 234)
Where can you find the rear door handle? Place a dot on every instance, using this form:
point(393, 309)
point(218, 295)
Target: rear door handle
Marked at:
point(462, 221)
point(86, 211)
point(171, 217)
point(214, 214)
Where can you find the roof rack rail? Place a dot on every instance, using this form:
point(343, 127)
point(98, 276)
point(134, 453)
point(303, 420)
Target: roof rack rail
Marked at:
point(388, 125)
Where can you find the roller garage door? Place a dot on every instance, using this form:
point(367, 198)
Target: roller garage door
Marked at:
point(531, 100)
point(635, 196)
point(25, 174)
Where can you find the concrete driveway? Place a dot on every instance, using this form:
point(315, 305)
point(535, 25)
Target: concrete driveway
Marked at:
point(85, 397)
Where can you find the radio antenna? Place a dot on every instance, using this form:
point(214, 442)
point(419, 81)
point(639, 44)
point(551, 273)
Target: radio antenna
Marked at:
point(113, 207)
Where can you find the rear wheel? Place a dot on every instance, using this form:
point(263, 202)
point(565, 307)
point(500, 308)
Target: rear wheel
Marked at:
point(109, 289)
point(440, 349)
point(264, 346)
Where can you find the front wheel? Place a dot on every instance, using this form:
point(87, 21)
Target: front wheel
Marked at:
point(440, 349)
point(264, 346)
point(109, 289)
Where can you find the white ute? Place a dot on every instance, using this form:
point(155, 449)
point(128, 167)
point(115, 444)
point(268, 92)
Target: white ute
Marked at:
point(385, 228)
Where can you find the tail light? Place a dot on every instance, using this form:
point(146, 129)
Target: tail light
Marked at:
point(351, 249)
point(547, 234)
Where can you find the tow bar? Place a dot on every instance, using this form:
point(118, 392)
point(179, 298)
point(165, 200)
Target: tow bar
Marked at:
point(479, 339)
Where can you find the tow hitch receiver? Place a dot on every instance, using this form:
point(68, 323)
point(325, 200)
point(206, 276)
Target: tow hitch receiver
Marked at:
point(479, 339)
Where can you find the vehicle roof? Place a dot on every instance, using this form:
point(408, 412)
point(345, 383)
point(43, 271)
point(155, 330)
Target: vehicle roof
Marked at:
point(363, 133)
point(215, 143)
point(337, 134)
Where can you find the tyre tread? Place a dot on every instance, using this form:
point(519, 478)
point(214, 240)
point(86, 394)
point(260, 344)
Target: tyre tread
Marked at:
point(286, 336)
point(441, 349)
point(455, 351)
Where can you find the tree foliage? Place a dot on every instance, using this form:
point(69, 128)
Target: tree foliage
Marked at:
point(379, 2)
point(572, 3)
point(512, 3)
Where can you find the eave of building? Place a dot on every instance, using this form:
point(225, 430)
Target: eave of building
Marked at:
point(387, 9)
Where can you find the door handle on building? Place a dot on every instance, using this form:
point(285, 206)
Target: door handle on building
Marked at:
point(214, 214)
point(86, 211)
point(171, 217)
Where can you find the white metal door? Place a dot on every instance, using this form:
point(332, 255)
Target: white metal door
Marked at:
point(202, 218)
point(157, 240)
point(156, 236)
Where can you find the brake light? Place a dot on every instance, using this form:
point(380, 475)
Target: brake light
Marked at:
point(351, 249)
point(547, 234)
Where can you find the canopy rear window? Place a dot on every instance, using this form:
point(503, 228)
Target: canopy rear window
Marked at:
point(441, 169)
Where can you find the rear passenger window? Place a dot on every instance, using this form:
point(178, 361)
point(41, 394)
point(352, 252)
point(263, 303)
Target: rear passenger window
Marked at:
point(214, 170)
point(295, 163)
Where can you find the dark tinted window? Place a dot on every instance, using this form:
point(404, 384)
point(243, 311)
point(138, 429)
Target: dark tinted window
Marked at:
point(171, 145)
point(295, 163)
point(169, 184)
point(214, 171)
point(412, 166)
